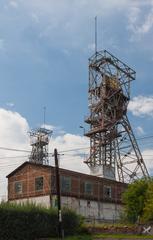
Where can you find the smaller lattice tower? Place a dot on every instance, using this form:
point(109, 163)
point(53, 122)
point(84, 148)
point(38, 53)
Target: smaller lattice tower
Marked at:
point(39, 140)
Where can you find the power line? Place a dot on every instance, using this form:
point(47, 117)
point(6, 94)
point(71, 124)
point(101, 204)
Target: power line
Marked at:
point(14, 149)
point(145, 137)
point(9, 165)
point(64, 151)
point(14, 157)
point(74, 149)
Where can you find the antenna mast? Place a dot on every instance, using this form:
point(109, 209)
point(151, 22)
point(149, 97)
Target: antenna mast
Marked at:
point(96, 35)
point(44, 116)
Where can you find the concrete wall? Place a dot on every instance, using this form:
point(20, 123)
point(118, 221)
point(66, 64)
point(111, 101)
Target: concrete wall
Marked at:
point(89, 209)
point(42, 200)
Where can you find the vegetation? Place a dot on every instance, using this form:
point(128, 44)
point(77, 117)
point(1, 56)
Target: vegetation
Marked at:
point(27, 221)
point(148, 208)
point(120, 236)
point(77, 237)
point(105, 236)
point(22, 222)
point(138, 200)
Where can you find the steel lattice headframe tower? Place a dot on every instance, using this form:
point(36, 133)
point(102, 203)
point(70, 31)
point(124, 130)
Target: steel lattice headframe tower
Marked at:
point(39, 140)
point(113, 146)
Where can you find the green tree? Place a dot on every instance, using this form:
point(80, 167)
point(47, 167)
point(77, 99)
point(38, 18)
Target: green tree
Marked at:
point(148, 208)
point(134, 199)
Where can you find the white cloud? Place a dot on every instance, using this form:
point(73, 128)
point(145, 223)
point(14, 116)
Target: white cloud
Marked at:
point(73, 159)
point(57, 130)
point(140, 20)
point(91, 47)
point(13, 4)
point(66, 52)
point(2, 43)
point(141, 106)
point(10, 104)
point(148, 24)
point(140, 130)
point(47, 126)
point(148, 158)
point(58, 21)
point(13, 129)
point(58, 5)
point(57, 24)
point(133, 16)
point(35, 18)
point(14, 134)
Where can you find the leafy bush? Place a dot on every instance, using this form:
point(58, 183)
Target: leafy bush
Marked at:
point(29, 222)
point(71, 222)
point(137, 198)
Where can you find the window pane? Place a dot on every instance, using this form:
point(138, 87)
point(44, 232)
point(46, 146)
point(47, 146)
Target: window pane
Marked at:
point(65, 184)
point(39, 181)
point(18, 187)
point(88, 188)
point(107, 192)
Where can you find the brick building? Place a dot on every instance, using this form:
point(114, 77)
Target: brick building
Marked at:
point(91, 196)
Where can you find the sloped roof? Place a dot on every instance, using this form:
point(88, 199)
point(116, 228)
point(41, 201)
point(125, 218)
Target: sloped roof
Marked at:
point(23, 165)
point(79, 174)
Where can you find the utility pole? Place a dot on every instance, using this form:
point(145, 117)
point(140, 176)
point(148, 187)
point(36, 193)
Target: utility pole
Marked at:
point(60, 231)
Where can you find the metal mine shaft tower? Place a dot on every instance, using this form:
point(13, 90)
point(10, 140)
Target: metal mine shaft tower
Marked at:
point(39, 140)
point(113, 146)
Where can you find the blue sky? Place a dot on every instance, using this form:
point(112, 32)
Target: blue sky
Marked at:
point(44, 51)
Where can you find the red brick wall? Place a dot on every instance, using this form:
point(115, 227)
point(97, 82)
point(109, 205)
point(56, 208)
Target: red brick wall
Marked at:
point(29, 172)
point(77, 187)
point(27, 176)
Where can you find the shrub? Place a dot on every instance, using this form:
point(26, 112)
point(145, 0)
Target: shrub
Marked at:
point(71, 222)
point(29, 222)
